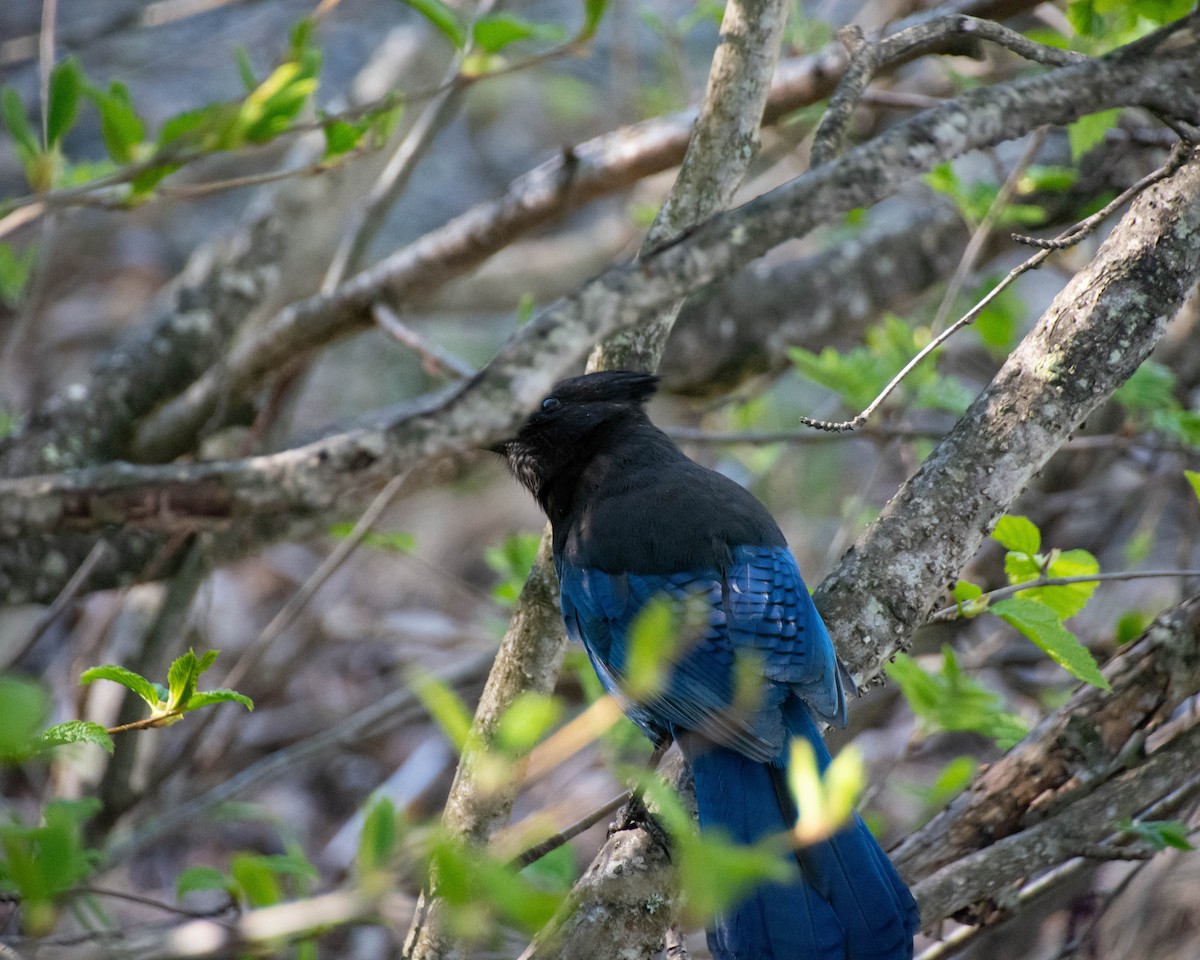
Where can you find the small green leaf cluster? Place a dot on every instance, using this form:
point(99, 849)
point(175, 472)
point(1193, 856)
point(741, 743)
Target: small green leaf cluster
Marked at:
point(389, 541)
point(169, 704)
point(860, 374)
point(973, 200)
point(512, 560)
point(1100, 26)
point(1149, 401)
point(1038, 612)
point(254, 879)
point(950, 700)
point(1160, 834)
point(486, 36)
point(41, 864)
point(271, 106)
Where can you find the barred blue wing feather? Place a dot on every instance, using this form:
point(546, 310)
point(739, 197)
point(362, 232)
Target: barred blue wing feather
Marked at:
point(634, 519)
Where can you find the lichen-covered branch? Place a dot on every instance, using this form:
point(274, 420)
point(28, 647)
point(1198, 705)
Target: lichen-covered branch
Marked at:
point(583, 173)
point(1087, 738)
point(250, 501)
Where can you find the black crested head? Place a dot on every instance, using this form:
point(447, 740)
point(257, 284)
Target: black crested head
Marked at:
point(566, 428)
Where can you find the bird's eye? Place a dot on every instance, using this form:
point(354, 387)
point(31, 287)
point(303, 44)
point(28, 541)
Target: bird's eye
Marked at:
point(551, 403)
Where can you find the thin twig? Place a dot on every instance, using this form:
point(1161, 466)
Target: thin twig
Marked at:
point(209, 913)
point(867, 59)
point(300, 599)
point(539, 850)
point(68, 593)
point(1071, 236)
point(983, 231)
point(947, 614)
point(434, 359)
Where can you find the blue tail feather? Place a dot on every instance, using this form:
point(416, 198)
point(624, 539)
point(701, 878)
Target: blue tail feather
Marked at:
point(845, 900)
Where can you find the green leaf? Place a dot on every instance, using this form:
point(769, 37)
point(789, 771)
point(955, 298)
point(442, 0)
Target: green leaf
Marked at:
point(1131, 625)
point(1161, 834)
point(126, 678)
point(377, 842)
point(964, 590)
point(1018, 534)
point(495, 32)
point(1042, 625)
point(444, 706)
point(66, 83)
point(1088, 131)
point(1081, 14)
point(1162, 11)
point(23, 707)
point(181, 680)
point(593, 13)
point(202, 878)
point(967, 597)
point(120, 126)
point(206, 698)
point(17, 123)
point(340, 138)
point(1066, 600)
point(42, 863)
point(256, 880)
point(1193, 477)
point(526, 721)
point(443, 18)
point(76, 731)
point(15, 270)
point(950, 700)
point(953, 779)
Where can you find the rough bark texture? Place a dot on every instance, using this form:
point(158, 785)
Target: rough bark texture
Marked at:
point(1095, 334)
point(249, 502)
point(743, 327)
point(1091, 736)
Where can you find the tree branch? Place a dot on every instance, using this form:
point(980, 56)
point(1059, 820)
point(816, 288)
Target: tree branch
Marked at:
point(251, 501)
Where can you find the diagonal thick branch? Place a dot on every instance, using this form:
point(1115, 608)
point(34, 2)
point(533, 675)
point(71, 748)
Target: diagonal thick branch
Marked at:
point(252, 501)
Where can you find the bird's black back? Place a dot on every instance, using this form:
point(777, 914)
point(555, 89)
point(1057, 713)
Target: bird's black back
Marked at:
point(621, 496)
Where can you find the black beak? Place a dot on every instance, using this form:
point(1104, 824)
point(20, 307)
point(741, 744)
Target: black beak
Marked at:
point(500, 447)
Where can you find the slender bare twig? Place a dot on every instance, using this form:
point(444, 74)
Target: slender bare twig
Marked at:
point(300, 599)
point(536, 852)
point(868, 58)
point(983, 231)
point(435, 359)
point(1179, 155)
point(68, 593)
point(954, 612)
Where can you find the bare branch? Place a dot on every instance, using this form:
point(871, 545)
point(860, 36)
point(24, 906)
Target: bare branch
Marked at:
point(1090, 737)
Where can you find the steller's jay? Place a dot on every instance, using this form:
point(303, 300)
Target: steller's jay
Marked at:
point(633, 520)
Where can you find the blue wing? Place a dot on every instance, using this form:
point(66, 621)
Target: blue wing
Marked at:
point(760, 623)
